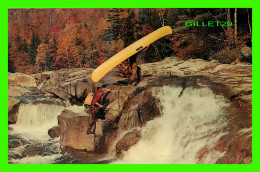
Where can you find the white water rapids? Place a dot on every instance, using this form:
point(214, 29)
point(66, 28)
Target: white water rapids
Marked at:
point(33, 123)
point(35, 120)
point(188, 124)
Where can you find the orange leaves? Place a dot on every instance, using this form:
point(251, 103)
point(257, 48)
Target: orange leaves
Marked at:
point(102, 57)
point(146, 29)
point(124, 69)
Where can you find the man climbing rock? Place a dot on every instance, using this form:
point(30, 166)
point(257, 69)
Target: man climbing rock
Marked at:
point(97, 109)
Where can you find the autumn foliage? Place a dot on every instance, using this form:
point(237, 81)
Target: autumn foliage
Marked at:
point(52, 39)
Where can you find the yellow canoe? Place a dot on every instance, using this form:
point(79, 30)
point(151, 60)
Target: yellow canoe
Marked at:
point(127, 52)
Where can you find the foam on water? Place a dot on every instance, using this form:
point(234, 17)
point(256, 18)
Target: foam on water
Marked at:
point(37, 159)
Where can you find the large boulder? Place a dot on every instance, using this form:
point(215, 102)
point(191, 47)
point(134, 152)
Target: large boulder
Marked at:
point(73, 128)
point(54, 132)
point(20, 79)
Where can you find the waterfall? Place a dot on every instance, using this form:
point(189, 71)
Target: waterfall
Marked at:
point(189, 124)
point(31, 132)
point(35, 120)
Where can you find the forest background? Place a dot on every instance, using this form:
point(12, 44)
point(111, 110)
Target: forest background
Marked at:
point(51, 39)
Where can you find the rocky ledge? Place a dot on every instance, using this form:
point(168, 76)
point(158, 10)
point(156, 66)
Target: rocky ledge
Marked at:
point(132, 106)
point(238, 78)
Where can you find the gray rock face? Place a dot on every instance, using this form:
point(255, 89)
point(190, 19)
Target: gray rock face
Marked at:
point(14, 91)
point(20, 79)
point(60, 93)
point(237, 78)
point(117, 98)
point(66, 83)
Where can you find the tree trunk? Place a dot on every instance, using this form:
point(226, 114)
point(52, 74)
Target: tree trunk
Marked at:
point(228, 20)
point(229, 30)
point(235, 23)
point(249, 25)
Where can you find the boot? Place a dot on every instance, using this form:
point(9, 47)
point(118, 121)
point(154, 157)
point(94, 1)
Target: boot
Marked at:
point(89, 131)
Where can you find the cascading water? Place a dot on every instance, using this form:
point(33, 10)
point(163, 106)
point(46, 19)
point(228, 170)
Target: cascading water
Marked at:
point(29, 141)
point(35, 119)
point(189, 124)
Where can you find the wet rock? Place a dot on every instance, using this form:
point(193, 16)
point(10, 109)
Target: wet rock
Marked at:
point(14, 144)
point(54, 132)
point(73, 84)
point(32, 151)
point(239, 148)
point(139, 110)
point(149, 108)
point(102, 129)
point(130, 118)
point(202, 154)
point(222, 160)
point(13, 107)
point(128, 140)
point(20, 79)
point(237, 145)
